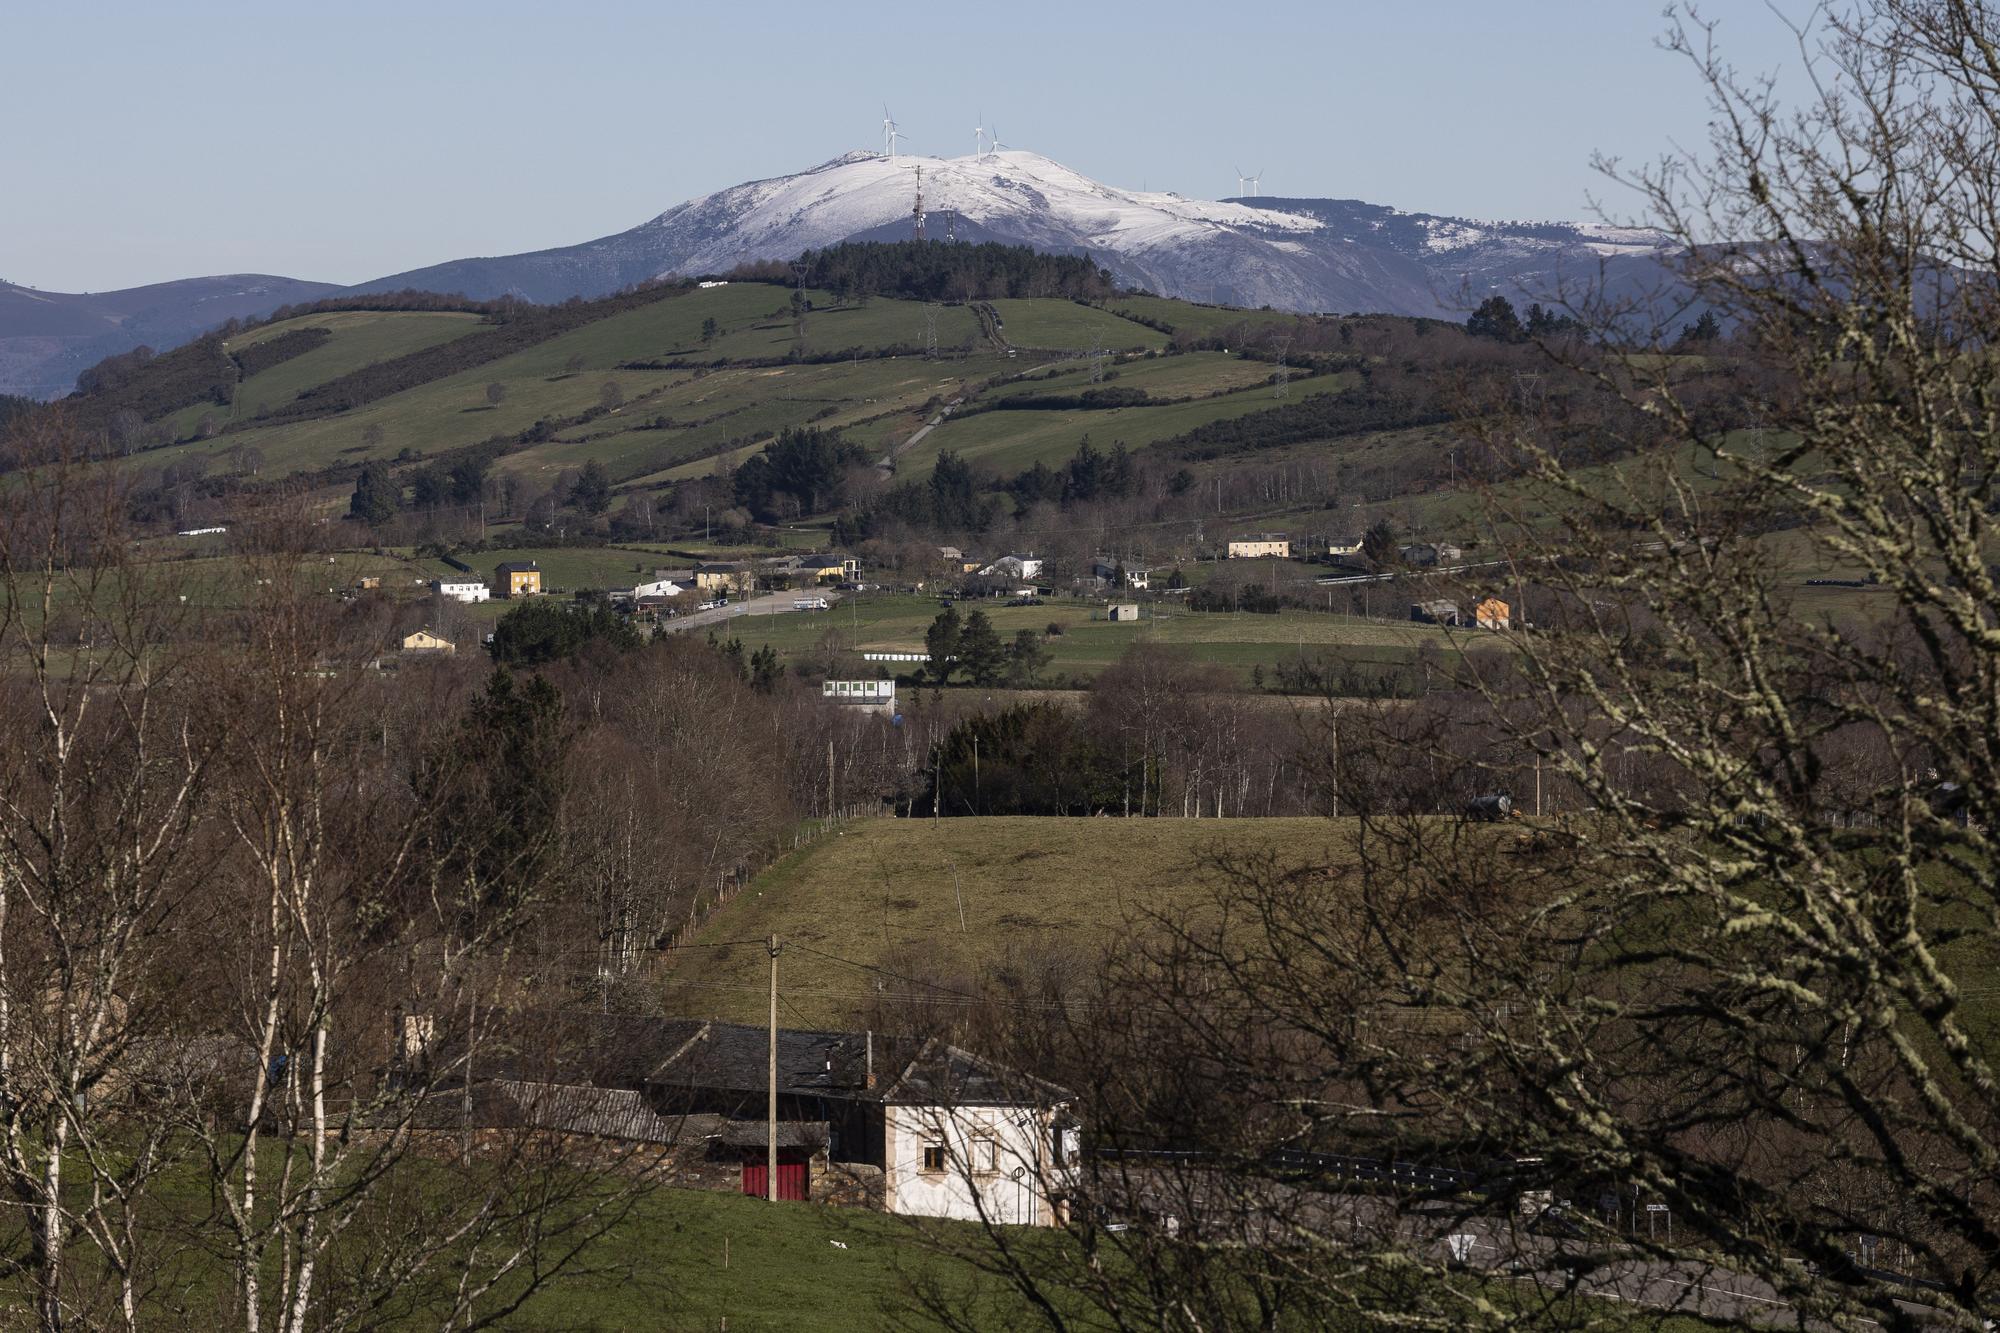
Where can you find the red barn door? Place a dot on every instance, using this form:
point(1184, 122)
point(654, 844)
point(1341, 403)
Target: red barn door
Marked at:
point(794, 1175)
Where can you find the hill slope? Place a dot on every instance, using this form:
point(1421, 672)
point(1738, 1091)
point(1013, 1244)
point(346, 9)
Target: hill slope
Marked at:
point(46, 338)
point(885, 893)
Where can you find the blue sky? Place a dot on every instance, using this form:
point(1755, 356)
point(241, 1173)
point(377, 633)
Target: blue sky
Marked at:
point(344, 141)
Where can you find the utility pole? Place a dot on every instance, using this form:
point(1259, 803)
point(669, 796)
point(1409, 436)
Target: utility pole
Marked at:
point(829, 778)
point(771, 1157)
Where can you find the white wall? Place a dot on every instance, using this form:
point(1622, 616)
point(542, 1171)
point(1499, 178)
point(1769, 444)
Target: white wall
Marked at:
point(1012, 1193)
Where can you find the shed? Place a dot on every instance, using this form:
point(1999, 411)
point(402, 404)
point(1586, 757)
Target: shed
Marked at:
point(1123, 611)
point(1438, 612)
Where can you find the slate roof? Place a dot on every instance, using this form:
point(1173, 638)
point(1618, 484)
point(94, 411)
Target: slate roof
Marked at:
point(517, 567)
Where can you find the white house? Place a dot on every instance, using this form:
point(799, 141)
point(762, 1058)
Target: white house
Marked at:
point(914, 1126)
point(462, 591)
point(657, 588)
point(1013, 567)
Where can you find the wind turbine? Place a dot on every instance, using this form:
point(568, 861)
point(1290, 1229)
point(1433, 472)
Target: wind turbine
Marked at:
point(890, 134)
point(979, 138)
point(993, 138)
point(1256, 180)
point(1240, 179)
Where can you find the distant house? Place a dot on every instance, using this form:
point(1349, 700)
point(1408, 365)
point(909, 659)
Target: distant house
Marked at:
point(827, 568)
point(1424, 555)
point(1108, 571)
point(462, 590)
point(657, 588)
point(1264, 545)
point(425, 642)
point(1434, 613)
point(1122, 611)
point(1343, 546)
point(724, 576)
point(951, 554)
point(1013, 567)
point(869, 693)
point(368, 581)
point(916, 1127)
point(518, 578)
point(1492, 613)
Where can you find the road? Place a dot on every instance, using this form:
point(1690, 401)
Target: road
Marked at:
point(769, 604)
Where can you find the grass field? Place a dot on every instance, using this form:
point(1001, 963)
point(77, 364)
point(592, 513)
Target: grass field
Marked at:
point(1199, 320)
point(1012, 441)
point(1089, 643)
point(1066, 326)
point(886, 892)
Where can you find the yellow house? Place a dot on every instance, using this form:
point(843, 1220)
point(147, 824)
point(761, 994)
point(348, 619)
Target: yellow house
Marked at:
point(723, 576)
point(517, 578)
point(423, 641)
point(1261, 546)
point(1492, 613)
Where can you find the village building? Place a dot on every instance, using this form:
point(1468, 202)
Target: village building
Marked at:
point(1262, 546)
point(724, 576)
point(517, 578)
point(1492, 613)
point(1425, 555)
point(425, 642)
point(1439, 612)
point(462, 590)
point(916, 1127)
point(1013, 567)
point(1122, 611)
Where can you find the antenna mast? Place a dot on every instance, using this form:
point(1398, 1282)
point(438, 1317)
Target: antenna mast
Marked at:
point(917, 213)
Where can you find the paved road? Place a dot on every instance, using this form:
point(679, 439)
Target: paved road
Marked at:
point(769, 604)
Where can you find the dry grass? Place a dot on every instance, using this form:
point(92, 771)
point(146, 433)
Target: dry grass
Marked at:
point(884, 892)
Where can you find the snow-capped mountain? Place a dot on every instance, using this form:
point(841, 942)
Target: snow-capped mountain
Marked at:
point(1298, 254)
point(1294, 254)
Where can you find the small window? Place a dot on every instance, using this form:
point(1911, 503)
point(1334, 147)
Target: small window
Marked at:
point(934, 1157)
point(985, 1154)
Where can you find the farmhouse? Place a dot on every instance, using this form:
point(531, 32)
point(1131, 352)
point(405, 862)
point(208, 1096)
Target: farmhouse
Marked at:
point(465, 590)
point(424, 642)
point(1492, 613)
point(1013, 567)
point(921, 1128)
point(1337, 547)
point(724, 576)
point(1107, 571)
point(1264, 545)
point(1424, 555)
point(1434, 613)
point(657, 588)
point(518, 578)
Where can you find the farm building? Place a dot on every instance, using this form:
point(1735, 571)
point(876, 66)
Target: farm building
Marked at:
point(424, 642)
point(1492, 613)
point(1122, 611)
point(518, 578)
point(1262, 546)
point(1424, 555)
point(1013, 567)
point(462, 590)
point(920, 1128)
point(1434, 613)
point(724, 576)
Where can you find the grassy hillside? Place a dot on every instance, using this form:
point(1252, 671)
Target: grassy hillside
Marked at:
point(882, 893)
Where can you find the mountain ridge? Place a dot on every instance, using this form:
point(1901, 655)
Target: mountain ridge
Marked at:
point(1297, 254)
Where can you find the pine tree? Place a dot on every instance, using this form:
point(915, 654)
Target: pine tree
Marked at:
point(942, 642)
point(374, 497)
point(980, 651)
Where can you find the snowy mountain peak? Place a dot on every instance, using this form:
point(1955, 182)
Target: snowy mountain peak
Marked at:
point(1300, 254)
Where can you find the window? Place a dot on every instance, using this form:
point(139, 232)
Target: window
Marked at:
point(934, 1157)
point(985, 1153)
